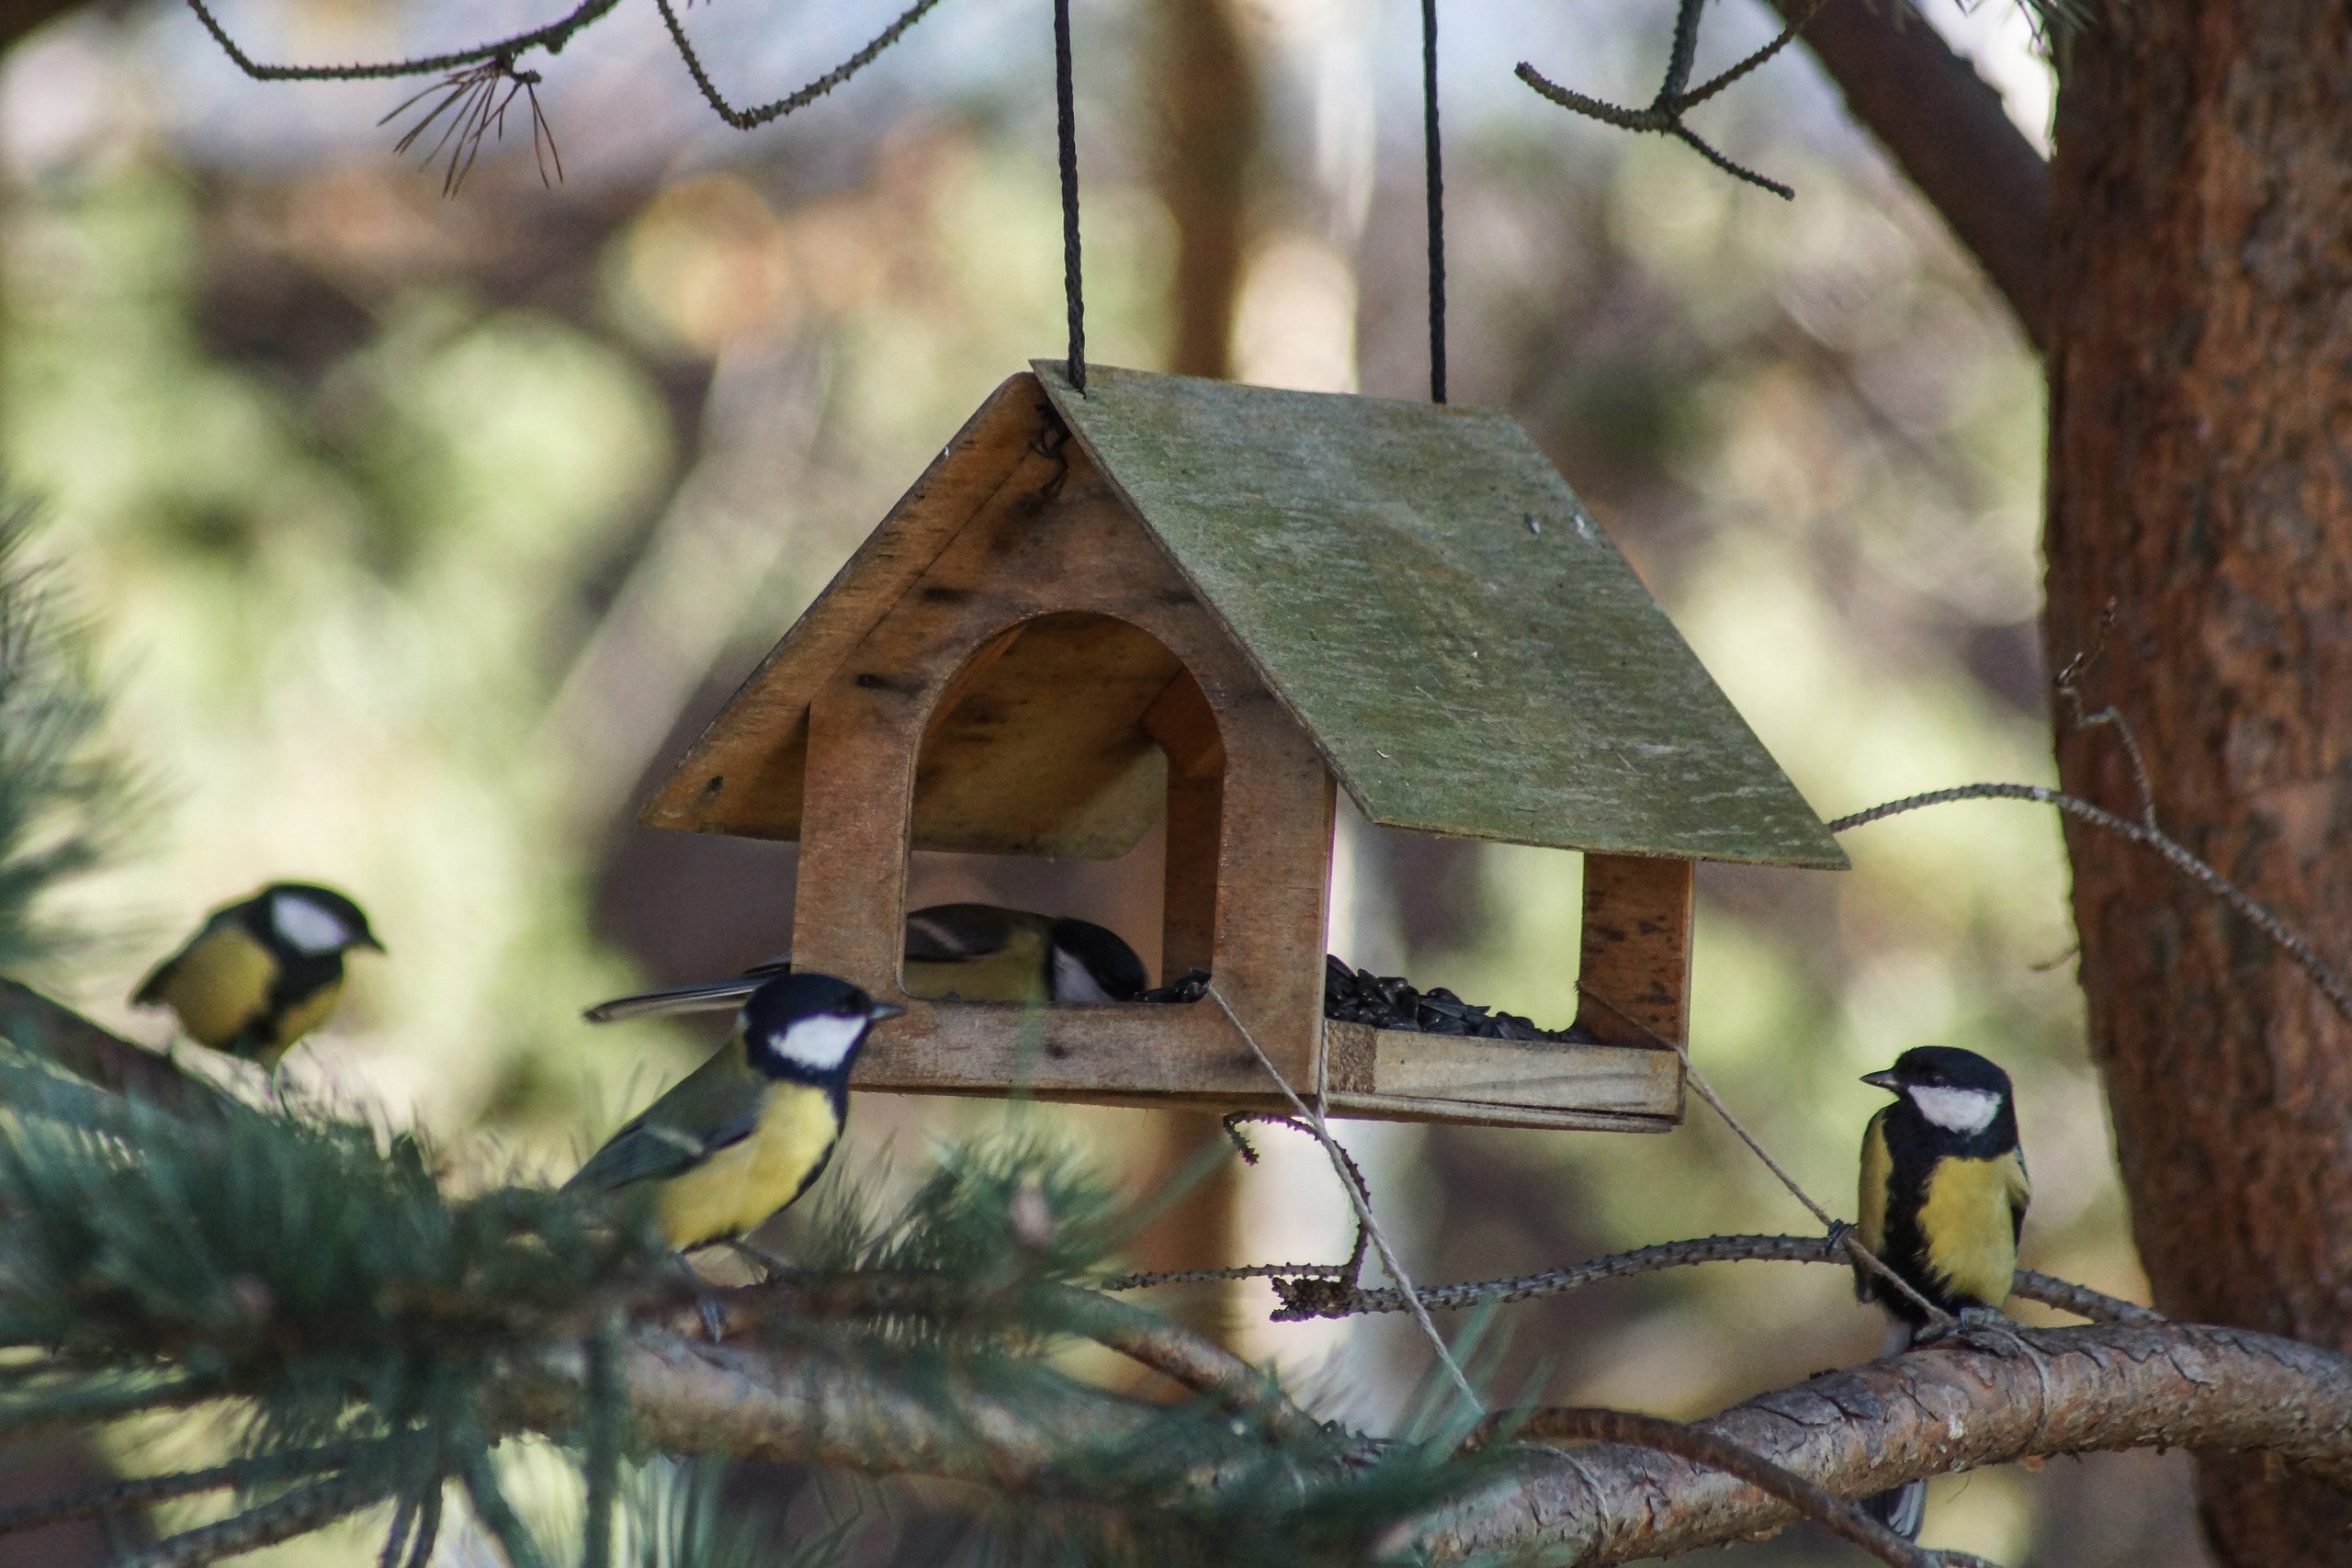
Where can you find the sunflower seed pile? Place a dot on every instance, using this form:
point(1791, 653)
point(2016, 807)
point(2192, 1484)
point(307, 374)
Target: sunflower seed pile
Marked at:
point(1188, 986)
point(1385, 1001)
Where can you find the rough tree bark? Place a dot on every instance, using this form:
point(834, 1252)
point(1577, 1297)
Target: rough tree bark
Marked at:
point(2200, 480)
point(1951, 1407)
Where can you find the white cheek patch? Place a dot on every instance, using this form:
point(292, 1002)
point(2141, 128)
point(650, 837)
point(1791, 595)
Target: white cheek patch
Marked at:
point(306, 925)
point(1074, 982)
point(821, 1042)
point(1957, 1109)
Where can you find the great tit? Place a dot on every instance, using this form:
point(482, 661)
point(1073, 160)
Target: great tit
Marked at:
point(260, 973)
point(974, 953)
point(747, 1132)
point(1944, 1199)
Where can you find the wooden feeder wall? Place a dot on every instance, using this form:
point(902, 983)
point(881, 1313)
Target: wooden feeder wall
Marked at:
point(1016, 663)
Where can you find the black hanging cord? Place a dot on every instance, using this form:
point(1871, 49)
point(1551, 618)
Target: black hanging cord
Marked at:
point(1433, 154)
point(1065, 130)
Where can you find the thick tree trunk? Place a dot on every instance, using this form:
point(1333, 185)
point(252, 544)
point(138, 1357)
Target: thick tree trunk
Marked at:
point(2200, 480)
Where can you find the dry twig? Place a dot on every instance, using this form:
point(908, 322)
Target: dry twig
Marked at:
point(1344, 1168)
point(1664, 112)
point(1308, 1297)
point(1840, 1234)
point(2322, 975)
point(759, 115)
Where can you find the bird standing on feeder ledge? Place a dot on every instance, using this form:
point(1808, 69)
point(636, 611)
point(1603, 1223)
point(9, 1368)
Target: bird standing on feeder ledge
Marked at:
point(261, 973)
point(750, 1130)
point(1943, 1199)
point(974, 953)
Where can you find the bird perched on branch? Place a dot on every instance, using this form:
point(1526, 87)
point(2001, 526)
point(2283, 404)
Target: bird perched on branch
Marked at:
point(261, 973)
point(747, 1132)
point(1944, 1199)
point(975, 952)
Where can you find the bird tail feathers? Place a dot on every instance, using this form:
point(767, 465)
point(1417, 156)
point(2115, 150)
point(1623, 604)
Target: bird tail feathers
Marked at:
point(708, 996)
point(1903, 1510)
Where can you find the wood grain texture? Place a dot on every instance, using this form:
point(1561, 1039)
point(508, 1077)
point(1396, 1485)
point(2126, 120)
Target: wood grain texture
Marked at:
point(2201, 480)
point(1635, 968)
point(1425, 593)
point(1047, 751)
point(1065, 546)
point(744, 774)
point(1625, 1079)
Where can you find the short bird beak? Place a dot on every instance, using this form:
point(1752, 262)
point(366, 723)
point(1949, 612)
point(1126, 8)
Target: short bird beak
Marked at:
point(881, 1010)
point(1885, 1081)
point(369, 940)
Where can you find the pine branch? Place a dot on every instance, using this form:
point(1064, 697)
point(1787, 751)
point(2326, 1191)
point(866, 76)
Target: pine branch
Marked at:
point(759, 115)
point(34, 1022)
point(1948, 1408)
point(67, 801)
point(296, 1514)
point(141, 1491)
point(550, 37)
point(1955, 1405)
point(1664, 112)
point(1585, 1425)
point(1310, 1297)
point(1167, 1348)
point(2322, 975)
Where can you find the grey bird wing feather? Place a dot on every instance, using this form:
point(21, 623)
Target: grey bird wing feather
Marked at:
point(958, 933)
point(705, 996)
point(715, 1105)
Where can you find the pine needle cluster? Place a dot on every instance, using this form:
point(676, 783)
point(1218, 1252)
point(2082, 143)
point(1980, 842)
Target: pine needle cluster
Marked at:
point(65, 799)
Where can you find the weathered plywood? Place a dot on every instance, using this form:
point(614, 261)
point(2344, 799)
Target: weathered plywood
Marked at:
point(744, 775)
point(1634, 971)
point(1422, 589)
point(1066, 547)
point(1168, 1057)
point(1046, 748)
point(1562, 1077)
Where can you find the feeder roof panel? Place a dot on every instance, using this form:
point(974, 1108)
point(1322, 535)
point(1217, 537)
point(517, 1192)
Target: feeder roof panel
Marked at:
point(1463, 642)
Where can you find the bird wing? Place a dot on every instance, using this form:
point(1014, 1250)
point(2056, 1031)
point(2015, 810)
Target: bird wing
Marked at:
point(979, 953)
point(959, 933)
point(2021, 1192)
point(704, 995)
point(151, 989)
point(716, 1105)
point(1870, 1214)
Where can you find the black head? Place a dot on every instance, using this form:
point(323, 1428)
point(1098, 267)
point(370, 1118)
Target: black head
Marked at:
point(311, 920)
point(1958, 1091)
point(808, 1026)
point(1092, 964)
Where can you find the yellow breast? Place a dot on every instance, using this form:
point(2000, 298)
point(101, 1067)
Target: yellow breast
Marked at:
point(299, 1019)
point(220, 985)
point(736, 1190)
point(1969, 1223)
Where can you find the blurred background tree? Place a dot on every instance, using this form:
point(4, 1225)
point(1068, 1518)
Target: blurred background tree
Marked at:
point(427, 530)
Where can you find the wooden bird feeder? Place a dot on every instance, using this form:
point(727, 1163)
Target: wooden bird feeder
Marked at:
point(1226, 603)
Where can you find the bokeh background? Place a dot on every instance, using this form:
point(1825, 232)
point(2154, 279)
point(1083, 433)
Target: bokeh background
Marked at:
point(422, 533)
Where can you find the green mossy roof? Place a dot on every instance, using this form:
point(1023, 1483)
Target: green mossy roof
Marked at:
point(1422, 589)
